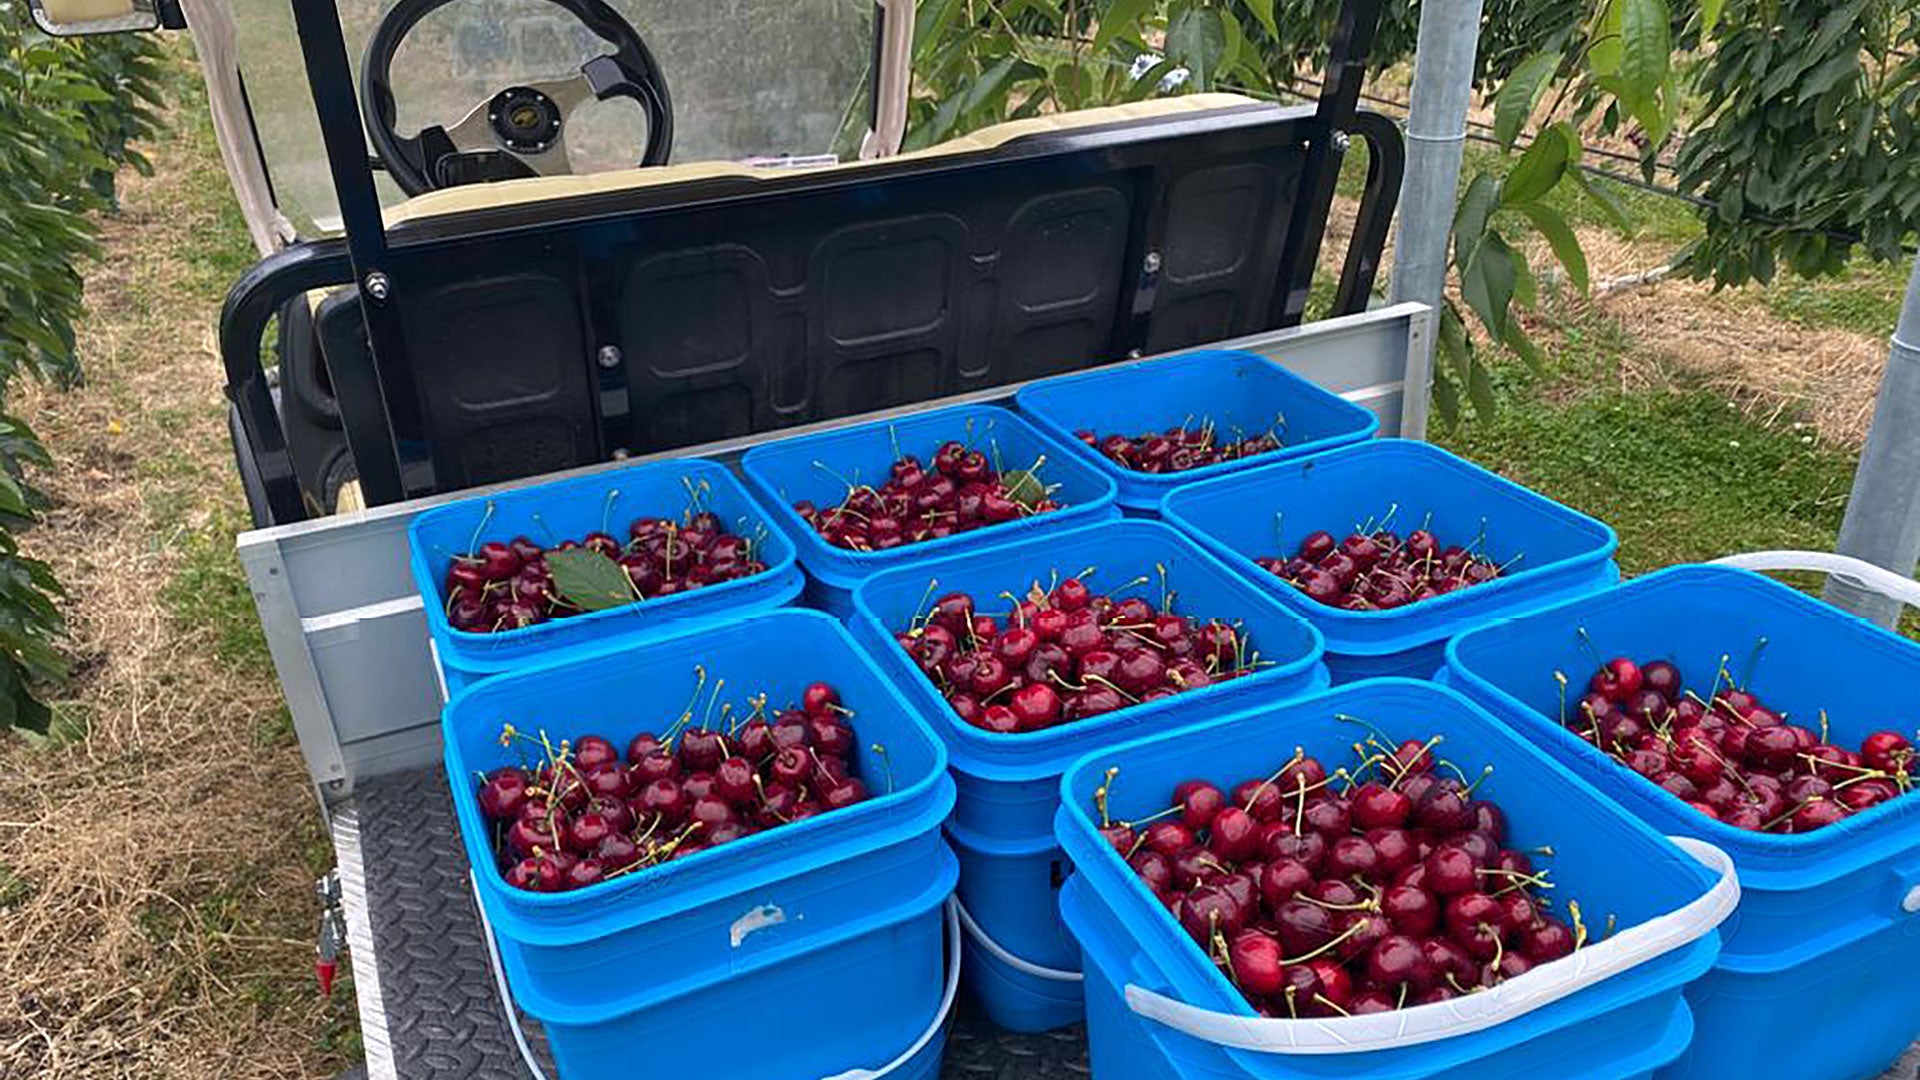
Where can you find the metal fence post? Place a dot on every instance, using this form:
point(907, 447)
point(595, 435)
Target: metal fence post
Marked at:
point(1882, 524)
point(1436, 134)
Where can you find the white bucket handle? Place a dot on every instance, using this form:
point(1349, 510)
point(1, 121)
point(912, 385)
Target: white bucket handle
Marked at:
point(1856, 572)
point(947, 996)
point(1471, 1012)
point(999, 952)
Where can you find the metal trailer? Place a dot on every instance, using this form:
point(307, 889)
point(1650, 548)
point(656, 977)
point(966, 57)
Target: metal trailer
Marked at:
point(344, 623)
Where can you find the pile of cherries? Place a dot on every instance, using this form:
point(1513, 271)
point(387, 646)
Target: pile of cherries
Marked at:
point(962, 492)
point(1361, 891)
point(580, 813)
point(1381, 570)
point(1066, 654)
point(1179, 448)
point(1728, 755)
point(508, 585)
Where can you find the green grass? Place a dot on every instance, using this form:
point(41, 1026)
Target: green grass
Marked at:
point(210, 591)
point(1678, 471)
point(1865, 299)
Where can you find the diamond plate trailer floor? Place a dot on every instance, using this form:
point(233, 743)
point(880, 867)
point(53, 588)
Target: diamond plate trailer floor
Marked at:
point(429, 1005)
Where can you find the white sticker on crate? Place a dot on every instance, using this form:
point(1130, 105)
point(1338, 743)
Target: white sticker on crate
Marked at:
point(758, 919)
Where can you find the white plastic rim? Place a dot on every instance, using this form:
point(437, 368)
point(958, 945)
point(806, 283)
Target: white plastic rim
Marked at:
point(948, 994)
point(1854, 571)
point(999, 952)
point(1473, 1012)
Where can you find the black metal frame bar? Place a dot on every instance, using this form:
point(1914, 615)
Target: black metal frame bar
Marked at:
point(378, 260)
point(1333, 116)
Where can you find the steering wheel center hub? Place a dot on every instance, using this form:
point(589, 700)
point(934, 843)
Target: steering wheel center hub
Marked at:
point(525, 119)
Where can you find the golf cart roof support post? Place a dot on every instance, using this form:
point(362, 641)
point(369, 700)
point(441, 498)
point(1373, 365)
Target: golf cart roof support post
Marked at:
point(1332, 116)
point(1436, 139)
point(330, 76)
point(1882, 524)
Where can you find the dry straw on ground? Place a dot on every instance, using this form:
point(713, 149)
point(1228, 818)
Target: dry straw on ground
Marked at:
point(155, 903)
point(1779, 370)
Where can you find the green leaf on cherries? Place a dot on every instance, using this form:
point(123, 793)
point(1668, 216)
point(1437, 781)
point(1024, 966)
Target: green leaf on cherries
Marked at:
point(589, 580)
point(1025, 487)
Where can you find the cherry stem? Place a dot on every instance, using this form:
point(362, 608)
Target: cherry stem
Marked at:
point(473, 542)
point(606, 508)
point(1592, 650)
point(1155, 816)
point(886, 763)
point(1299, 754)
point(1322, 999)
point(1358, 926)
point(1100, 795)
point(1753, 661)
point(1561, 678)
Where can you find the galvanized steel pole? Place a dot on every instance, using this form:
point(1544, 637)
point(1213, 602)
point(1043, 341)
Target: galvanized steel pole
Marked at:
point(1882, 524)
point(1436, 136)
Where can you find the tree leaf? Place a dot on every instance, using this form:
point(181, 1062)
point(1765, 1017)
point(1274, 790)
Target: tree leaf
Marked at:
point(1516, 339)
point(1538, 171)
point(1197, 39)
point(1709, 17)
point(1519, 95)
point(1263, 11)
point(589, 580)
point(1470, 219)
point(1566, 246)
point(1646, 46)
point(1480, 390)
point(1025, 486)
point(1603, 56)
point(1608, 203)
point(1121, 17)
point(1487, 283)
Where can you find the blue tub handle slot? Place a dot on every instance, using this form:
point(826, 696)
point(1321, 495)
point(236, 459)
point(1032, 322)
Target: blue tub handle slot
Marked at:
point(949, 992)
point(1000, 952)
point(1906, 879)
point(1461, 1016)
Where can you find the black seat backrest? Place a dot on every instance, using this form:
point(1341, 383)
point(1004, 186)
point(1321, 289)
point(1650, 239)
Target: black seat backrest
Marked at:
point(551, 334)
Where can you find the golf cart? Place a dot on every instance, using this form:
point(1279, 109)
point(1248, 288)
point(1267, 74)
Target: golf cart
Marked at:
point(507, 239)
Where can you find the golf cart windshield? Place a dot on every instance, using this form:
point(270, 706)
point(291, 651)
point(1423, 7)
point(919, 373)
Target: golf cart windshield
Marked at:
point(748, 79)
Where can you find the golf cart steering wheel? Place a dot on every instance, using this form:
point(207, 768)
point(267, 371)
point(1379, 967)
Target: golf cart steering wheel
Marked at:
point(520, 131)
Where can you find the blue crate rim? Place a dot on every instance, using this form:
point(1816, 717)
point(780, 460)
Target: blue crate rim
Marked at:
point(780, 506)
point(987, 740)
point(786, 834)
point(785, 567)
point(1223, 991)
point(1735, 841)
point(1369, 423)
point(1443, 605)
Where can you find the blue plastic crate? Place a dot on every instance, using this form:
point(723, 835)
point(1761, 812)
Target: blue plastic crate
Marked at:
point(854, 999)
point(1237, 391)
point(595, 955)
point(819, 467)
point(1814, 903)
point(568, 510)
point(1551, 551)
point(1624, 1026)
point(1008, 784)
